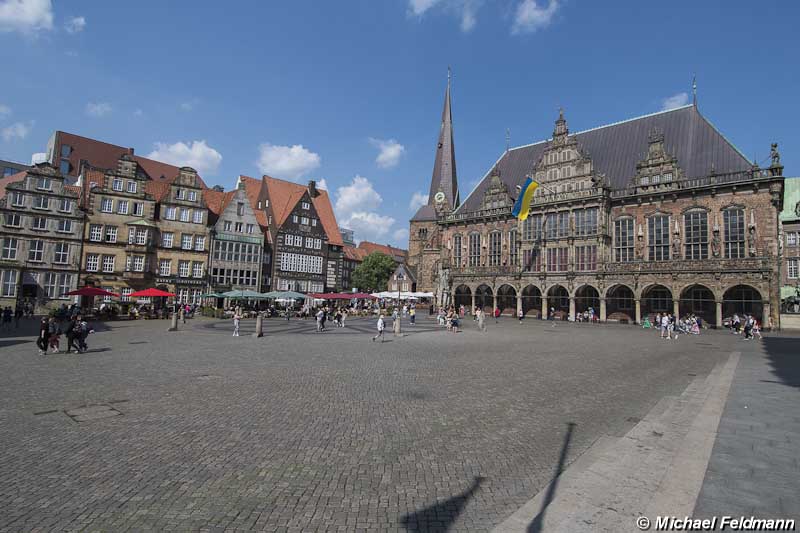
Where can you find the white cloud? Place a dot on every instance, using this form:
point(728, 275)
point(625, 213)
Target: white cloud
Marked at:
point(198, 155)
point(38, 157)
point(322, 184)
point(98, 109)
point(400, 237)
point(530, 16)
point(390, 152)
point(75, 24)
point(356, 208)
point(417, 200)
point(676, 100)
point(465, 10)
point(4, 111)
point(287, 162)
point(18, 130)
point(26, 16)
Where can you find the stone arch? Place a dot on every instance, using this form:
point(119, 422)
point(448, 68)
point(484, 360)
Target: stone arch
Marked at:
point(698, 300)
point(507, 299)
point(620, 303)
point(743, 299)
point(587, 297)
point(656, 298)
point(462, 296)
point(484, 297)
point(558, 302)
point(532, 301)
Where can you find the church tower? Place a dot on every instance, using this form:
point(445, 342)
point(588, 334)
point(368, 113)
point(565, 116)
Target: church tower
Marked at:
point(424, 244)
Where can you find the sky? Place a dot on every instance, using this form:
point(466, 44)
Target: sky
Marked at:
point(350, 93)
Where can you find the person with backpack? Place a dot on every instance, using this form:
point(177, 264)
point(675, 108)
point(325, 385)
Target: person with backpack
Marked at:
point(381, 325)
point(53, 333)
point(72, 329)
point(84, 330)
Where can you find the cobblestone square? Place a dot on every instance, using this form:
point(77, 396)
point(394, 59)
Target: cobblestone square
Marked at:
point(300, 431)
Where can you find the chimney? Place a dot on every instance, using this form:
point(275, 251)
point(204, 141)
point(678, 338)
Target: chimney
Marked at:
point(312, 189)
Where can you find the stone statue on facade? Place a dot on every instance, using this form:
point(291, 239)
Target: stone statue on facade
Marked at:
point(751, 241)
point(716, 246)
point(676, 246)
point(640, 247)
point(774, 155)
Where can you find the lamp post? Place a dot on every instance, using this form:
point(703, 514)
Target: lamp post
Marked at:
point(400, 277)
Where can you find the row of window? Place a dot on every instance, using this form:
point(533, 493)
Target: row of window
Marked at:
point(184, 214)
point(234, 276)
point(64, 205)
point(557, 225)
point(188, 241)
point(239, 227)
point(118, 184)
point(305, 221)
point(300, 285)
point(311, 264)
point(11, 246)
point(183, 194)
point(237, 251)
point(297, 240)
point(15, 220)
point(54, 284)
point(124, 207)
point(185, 268)
point(495, 248)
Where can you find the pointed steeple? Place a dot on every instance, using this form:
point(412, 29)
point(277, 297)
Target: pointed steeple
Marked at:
point(444, 177)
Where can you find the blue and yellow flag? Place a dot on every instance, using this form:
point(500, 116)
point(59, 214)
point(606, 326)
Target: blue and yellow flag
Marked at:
point(523, 203)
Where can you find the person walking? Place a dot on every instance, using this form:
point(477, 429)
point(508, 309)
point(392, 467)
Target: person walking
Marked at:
point(236, 319)
point(71, 329)
point(381, 325)
point(44, 332)
point(319, 316)
point(412, 315)
point(53, 334)
point(496, 314)
point(7, 317)
point(481, 319)
point(520, 315)
point(344, 317)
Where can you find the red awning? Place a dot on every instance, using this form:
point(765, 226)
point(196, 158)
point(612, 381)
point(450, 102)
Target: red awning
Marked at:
point(342, 296)
point(90, 291)
point(150, 293)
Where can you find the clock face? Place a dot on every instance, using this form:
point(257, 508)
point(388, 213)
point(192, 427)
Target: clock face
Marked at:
point(439, 198)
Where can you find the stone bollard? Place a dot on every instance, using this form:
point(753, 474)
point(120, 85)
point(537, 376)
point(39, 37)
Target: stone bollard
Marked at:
point(174, 325)
point(396, 325)
point(259, 326)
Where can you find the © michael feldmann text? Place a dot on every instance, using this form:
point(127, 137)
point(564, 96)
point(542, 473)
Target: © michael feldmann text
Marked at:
point(724, 523)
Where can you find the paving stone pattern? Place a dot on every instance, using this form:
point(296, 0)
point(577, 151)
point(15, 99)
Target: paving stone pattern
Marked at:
point(300, 431)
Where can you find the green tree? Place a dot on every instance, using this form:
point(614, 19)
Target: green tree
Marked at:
point(373, 273)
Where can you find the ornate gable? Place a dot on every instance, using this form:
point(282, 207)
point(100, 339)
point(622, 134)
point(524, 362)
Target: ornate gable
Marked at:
point(496, 195)
point(659, 169)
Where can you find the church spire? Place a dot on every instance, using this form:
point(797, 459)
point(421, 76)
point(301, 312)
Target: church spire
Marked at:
point(444, 177)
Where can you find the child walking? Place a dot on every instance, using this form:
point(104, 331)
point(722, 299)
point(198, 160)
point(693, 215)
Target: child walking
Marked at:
point(381, 326)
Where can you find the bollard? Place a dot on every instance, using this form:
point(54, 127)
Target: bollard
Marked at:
point(174, 325)
point(259, 326)
point(396, 325)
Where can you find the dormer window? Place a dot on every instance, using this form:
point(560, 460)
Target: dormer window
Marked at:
point(44, 184)
point(116, 184)
point(180, 194)
point(266, 203)
point(259, 204)
point(192, 196)
point(240, 208)
point(305, 205)
point(132, 187)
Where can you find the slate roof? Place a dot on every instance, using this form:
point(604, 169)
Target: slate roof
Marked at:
point(615, 150)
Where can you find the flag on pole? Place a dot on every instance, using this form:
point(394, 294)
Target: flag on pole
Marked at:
point(523, 203)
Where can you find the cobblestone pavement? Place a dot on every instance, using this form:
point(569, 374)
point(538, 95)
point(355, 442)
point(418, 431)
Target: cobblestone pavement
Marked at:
point(305, 431)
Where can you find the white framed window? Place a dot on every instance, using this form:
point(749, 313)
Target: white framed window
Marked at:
point(116, 184)
point(792, 268)
point(122, 207)
point(36, 251)
point(240, 208)
point(170, 213)
point(125, 294)
point(250, 228)
point(107, 205)
point(166, 239)
point(17, 199)
point(9, 248)
point(138, 263)
point(12, 220)
point(64, 226)
point(304, 221)
point(108, 263)
point(305, 205)
point(44, 184)
point(183, 269)
point(131, 186)
point(295, 219)
point(95, 232)
point(138, 209)
point(65, 205)
point(141, 237)
point(41, 202)
point(318, 244)
point(314, 222)
point(791, 238)
point(111, 234)
point(192, 196)
point(197, 269)
point(186, 215)
point(8, 281)
point(180, 194)
point(239, 227)
point(309, 242)
point(200, 243)
point(57, 285)
point(165, 267)
point(227, 225)
point(92, 262)
point(186, 242)
point(197, 216)
point(61, 254)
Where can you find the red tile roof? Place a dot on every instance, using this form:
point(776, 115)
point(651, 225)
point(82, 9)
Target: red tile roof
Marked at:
point(157, 189)
point(385, 249)
point(354, 254)
point(13, 178)
point(105, 155)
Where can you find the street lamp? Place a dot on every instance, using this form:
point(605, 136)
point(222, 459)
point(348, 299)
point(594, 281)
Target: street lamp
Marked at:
point(399, 277)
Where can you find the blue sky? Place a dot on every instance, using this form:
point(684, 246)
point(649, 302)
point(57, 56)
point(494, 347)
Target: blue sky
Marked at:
point(351, 92)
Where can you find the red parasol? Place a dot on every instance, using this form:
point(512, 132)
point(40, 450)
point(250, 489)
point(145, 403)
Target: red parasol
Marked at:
point(90, 291)
point(151, 293)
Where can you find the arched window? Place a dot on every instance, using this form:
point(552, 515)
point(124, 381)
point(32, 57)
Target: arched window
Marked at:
point(495, 240)
point(658, 237)
point(474, 249)
point(733, 220)
point(695, 225)
point(623, 239)
point(457, 250)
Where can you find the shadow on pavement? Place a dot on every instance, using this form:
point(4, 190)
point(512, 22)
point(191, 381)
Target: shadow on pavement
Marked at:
point(782, 353)
point(441, 515)
point(538, 521)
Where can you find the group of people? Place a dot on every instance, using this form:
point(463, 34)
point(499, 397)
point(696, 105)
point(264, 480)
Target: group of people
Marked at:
point(747, 326)
point(74, 328)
